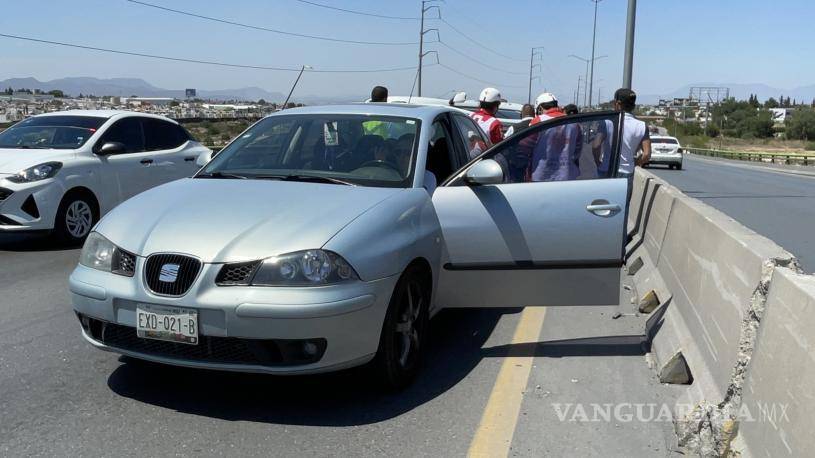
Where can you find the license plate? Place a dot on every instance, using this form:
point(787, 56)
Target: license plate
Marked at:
point(167, 323)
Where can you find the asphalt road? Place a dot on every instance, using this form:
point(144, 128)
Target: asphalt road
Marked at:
point(775, 201)
point(496, 381)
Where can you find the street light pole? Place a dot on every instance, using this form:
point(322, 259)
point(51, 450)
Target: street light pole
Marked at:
point(586, 81)
point(593, 45)
point(295, 84)
point(629, 43)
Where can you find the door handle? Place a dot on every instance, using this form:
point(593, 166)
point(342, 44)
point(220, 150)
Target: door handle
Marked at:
point(146, 161)
point(603, 208)
point(189, 158)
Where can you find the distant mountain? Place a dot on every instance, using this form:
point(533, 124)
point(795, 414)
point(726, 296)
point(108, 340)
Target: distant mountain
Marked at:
point(739, 91)
point(135, 86)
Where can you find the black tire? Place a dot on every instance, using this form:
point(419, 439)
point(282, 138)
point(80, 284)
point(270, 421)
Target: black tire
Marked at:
point(76, 215)
point(679, 167)
point(671, 167)
point(395, 365)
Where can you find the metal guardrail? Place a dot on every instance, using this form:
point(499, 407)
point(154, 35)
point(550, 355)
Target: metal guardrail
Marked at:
point(773, 158)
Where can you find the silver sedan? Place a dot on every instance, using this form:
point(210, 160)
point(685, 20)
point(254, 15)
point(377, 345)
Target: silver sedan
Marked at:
point(324, 238)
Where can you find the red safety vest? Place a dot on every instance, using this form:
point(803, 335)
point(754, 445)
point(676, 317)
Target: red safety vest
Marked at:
point(489, 124)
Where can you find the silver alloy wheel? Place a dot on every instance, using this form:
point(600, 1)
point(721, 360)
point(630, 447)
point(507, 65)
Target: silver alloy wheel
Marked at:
point(407, 326)
point(79, 219)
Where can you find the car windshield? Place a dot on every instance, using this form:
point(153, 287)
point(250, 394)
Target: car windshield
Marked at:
point(51, 132)
point(367, 150)
point(671, 141)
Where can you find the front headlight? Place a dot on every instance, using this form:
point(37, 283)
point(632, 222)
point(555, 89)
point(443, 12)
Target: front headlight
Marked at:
point(101, 254)
point(36, 173)
point(302, 268)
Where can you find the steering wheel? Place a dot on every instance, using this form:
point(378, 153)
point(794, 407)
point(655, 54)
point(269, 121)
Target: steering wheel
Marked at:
point(379, 163)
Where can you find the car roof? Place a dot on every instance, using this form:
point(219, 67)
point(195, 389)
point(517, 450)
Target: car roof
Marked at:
point(423, 112)
point(106, 114)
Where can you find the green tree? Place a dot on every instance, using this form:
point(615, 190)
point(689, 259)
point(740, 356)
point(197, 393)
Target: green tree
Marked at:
point(771, 103)
point(57, 93)
point(801, 125)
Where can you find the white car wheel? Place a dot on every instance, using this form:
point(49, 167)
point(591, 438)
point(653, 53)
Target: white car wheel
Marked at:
point(79, 219)
point(75, 218)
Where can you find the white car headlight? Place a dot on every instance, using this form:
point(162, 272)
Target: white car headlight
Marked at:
point(101, 254)
point(302, 268)
point(36, 173)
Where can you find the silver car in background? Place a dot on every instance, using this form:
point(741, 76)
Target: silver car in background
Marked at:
point(326, 237)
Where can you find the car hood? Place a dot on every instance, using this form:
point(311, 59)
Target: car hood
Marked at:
point(15, 160)
point(231, 220)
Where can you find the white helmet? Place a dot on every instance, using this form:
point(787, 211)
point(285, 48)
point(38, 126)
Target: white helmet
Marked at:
point(490, 94)
point(546, 97)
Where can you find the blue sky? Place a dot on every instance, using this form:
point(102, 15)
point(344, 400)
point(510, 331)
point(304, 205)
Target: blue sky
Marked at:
point(678, 42)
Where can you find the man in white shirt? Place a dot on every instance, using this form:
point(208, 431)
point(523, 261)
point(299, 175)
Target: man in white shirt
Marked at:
point(635, 133)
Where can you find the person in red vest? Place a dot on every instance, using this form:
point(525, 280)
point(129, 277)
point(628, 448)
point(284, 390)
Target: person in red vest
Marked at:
point(489, 100)
point(547, 108)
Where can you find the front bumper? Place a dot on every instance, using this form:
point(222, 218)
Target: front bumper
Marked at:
point(46, 195)
point(348, 317)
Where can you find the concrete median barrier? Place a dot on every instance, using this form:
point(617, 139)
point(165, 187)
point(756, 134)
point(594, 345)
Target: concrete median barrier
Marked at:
point(779, 398)
point(712, 274)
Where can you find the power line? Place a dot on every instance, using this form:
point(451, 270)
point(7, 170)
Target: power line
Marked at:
point(267, 29)
point(361, 13)
point(478, 43)
point(205, 62)
point(467, 56)
point(451, 69)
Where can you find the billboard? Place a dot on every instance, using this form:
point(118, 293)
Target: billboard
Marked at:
point(189, 93)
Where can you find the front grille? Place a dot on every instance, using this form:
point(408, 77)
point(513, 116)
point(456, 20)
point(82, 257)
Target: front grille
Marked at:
point(221, 350)
point(5, 221)
point(5, 193)
point(237, 274)
point(123, 263)
point(171, 274)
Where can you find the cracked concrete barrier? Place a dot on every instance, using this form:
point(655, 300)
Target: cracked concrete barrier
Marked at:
point(779, 394)
point(712, 274)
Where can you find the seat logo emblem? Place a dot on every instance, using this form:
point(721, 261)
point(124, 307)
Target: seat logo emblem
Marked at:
point(169, 273)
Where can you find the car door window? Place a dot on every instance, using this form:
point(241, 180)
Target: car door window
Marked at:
point(563, 149)
point(439, 152)
point(474, 141)
point(162, 135)
point(127, 131)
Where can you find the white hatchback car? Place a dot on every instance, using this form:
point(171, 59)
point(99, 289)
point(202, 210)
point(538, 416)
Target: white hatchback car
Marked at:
point(62, 171)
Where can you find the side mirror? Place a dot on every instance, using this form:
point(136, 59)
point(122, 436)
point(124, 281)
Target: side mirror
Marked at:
point(204, 158)
point(486, 171)
point(112, 148)
point(460, 97)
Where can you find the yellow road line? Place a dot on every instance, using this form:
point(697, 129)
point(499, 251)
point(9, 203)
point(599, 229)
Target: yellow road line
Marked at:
point(494, 435)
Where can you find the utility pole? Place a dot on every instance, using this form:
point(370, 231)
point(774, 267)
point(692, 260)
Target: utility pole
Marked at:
point(593, 45)
point(628, 67)
point(536, 52)
point(295, 84)
point(422, 32)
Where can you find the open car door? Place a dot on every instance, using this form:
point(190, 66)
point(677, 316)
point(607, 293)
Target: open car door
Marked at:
point(537, 220)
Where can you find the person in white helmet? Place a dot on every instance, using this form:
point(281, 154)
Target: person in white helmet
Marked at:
point(490, 100)
point(546, 107)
